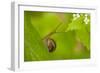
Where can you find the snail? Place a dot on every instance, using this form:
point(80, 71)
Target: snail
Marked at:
point(51, 44)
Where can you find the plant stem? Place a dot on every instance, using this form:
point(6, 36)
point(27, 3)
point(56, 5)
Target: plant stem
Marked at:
point(61, 16)
point(54, 31)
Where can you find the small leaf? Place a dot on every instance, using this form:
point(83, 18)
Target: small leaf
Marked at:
point(76, 25)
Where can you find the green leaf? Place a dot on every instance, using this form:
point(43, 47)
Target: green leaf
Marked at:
point(34, 48)
point(65, 43)
point(84, 37)
point(76, 25)
point(88, 27)
point(81, 31)
point(39, 24)
point(45, 24)
point(67, 20)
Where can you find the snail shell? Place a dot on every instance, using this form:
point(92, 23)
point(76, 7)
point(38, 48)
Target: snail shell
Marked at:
point(51, 45)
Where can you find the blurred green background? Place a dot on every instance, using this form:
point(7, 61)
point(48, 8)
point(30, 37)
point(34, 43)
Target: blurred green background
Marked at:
point(72, 37)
